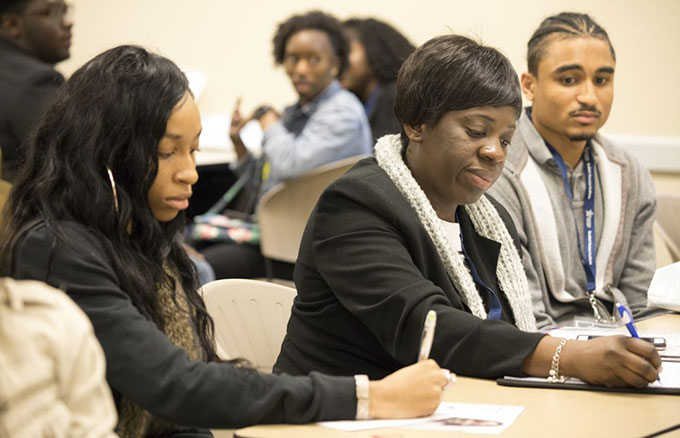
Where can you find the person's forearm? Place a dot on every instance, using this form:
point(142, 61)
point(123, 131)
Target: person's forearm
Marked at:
point(539, 361)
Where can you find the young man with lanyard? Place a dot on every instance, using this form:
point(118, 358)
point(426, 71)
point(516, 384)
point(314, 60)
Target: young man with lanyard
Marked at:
point(583, 207)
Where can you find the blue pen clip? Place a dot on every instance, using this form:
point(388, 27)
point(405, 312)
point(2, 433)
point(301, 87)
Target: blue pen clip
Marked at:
point(627, 319)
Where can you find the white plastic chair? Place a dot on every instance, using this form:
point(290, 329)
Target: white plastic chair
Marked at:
point(283, 211)
point(667, 223)
point(250, 318)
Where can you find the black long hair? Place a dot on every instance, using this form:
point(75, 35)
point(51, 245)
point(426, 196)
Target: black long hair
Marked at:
point(386, 48)
point(111, 114)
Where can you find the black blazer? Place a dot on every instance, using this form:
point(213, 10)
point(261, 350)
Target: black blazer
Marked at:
point(367, 273)
point(26, 84)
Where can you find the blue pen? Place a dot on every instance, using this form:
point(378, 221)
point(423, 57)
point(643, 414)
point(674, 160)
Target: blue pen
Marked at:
point(627, 319)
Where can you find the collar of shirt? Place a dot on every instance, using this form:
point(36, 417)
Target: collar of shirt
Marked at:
point(540, 153)
point(6, 44)
point(309, 107)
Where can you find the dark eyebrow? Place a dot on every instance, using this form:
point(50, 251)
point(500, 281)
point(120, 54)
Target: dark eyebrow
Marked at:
point(480, 116)
point(609, 70)
point(176, 137)
point(568, 67)
point(485, 117)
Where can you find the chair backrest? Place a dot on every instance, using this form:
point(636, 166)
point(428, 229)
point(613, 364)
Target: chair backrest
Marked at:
point(668, 222)
point(250, 318)
point(283, 211)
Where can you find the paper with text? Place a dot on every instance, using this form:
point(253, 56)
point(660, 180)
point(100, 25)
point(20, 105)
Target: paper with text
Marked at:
point(467, 417)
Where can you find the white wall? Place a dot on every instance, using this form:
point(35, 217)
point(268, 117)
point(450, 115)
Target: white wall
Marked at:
point(231, 42)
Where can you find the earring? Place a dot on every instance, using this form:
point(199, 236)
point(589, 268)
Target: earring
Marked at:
point(113, 188)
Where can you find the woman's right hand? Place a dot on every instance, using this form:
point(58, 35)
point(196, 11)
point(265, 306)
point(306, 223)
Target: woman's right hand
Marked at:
point(413, 391)
point(611, 361)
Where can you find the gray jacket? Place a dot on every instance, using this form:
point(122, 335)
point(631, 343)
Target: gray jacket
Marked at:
point(532, 191)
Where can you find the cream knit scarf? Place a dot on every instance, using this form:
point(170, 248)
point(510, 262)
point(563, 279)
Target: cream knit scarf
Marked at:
point(487, 223)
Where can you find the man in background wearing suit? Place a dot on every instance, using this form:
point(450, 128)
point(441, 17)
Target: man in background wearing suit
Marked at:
point(34, 35)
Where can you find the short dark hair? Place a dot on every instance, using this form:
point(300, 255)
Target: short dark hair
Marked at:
point(15, 6)
point(452, 73)
point(386, 48)
point(314, 20)
point(564, 25)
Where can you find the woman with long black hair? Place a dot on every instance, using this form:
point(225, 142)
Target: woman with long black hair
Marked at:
point(97, 211)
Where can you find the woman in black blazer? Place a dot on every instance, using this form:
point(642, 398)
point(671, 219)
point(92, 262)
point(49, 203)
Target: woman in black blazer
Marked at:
point(411, 231)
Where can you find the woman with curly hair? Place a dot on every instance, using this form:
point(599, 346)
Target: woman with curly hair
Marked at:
point(326, 124)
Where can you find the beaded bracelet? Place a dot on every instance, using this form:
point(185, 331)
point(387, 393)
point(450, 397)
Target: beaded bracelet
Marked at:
point(554, 375)
point(361, 382)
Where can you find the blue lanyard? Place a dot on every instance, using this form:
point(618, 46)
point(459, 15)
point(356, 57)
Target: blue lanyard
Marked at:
point(588, 260)
point(495, 310)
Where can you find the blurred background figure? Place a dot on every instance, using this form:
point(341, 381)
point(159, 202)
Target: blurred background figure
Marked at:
point(34, 35)
point(377, 51)
point(327, 124)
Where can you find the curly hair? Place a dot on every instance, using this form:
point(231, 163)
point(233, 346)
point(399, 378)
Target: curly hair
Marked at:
point(314, 20)
point(386, 48)
point(566, 25)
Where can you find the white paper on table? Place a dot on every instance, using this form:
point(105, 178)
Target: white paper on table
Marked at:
point(474, 418)
point(664, 291)
point(502, 414)
point(670, 353)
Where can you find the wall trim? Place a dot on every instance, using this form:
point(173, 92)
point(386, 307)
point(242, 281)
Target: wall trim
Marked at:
point(657, 154)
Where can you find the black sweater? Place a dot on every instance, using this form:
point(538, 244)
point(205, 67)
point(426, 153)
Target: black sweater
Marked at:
point(144, 366)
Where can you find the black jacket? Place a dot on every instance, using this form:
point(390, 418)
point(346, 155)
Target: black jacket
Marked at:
point(367, 273)
point(26, 84)
point(144, 366)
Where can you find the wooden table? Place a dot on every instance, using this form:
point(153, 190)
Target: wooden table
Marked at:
point(548, 412)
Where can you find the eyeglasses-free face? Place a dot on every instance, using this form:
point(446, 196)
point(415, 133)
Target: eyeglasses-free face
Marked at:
point(310, 62)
